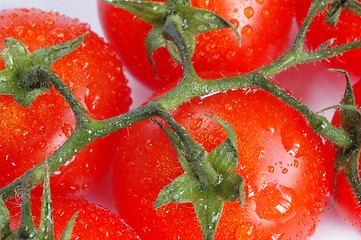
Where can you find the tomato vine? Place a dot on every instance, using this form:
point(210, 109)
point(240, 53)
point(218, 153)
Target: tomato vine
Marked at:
point(172, 15)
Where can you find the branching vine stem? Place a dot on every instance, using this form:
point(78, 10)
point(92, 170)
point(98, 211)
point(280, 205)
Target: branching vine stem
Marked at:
point(87, 129)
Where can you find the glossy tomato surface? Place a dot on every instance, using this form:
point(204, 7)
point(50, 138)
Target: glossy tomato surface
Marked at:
point(346, 203)
point(94, 75)
point(280, 158)
point(264, 26)
point(346, 30)
point(92, 221)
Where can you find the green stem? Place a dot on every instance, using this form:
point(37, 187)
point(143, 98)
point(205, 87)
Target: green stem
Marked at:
point(87, 130)
point(353, 6)
point(65, 91)
point(195, 155)
point(318, 123)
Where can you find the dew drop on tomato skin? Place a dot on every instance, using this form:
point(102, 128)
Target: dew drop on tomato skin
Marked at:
point(196, 123)
point(249, 12)
point(93, 98)
point(245, 230)
point(67, 129)
point(276, 203)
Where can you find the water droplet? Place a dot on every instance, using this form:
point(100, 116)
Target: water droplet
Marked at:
point(49, 21)
point(271, 169)
point(276, 203)
point(20, 133)
point(294, 149)
point(57, 32)
point(285, 170)
point(209, 16)
point(265, 13)
point(93, 98)
point(307, 213)
point(249, 12)
point(296, 163)
point(13, 15)
point(235, 22)
point(230, 55)
point(41, 144)
point(19, 30)
point(228, 107)
point(196, 123)
point(245, 231)
point(260, 1)
point(67, 129)
point(148, 146)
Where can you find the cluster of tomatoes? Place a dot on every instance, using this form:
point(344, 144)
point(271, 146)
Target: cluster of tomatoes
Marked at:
point(287, 168)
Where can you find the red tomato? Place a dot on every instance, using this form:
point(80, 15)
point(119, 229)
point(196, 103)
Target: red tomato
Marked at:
point(264, 26)
point(92, 221)
point(94, 75)
point(346, 203)
point(280, 158)
point(346, 30)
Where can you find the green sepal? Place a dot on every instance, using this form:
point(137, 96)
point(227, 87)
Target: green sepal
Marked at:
point(184, 188)
point(231, 187)
point(154, 13)
point(208, 180)
point(191, 21)
point(350, 118)
point(69, 228)
point(21, 77)
point(48, 55)
point(27, 228)
point(224, 158)
point(177, 145)
point(348, 159)
point(4, 220)
point(154, 41)
point(209, 210)
point(46, 228)
point(333, 13)
point(201, 20)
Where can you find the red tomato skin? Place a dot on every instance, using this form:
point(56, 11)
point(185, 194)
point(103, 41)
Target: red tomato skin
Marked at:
point(280, 158)
point(346, 203)
point(94, 75)
point(216, 50)
point(92, 222)
point(346, 30)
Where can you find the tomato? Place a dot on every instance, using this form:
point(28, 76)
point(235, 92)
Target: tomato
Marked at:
point(346, 203)
point(264, 26)
point(346, 30)
point(28, 135)
point(280, 158)
point(92, 221)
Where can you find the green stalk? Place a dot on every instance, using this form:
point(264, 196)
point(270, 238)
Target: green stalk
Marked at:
point(87, 130)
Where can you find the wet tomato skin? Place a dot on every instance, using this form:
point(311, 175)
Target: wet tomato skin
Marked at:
point(92, 221)
point(264, 27)
point(280, 158)
point(93, 74)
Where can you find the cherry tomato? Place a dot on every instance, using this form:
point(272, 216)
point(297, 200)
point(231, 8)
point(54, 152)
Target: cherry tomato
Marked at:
point(92, 221)
point(346, 30)
point(280, 158)
point(346, 203)
point(264, 26)
point(94, 75)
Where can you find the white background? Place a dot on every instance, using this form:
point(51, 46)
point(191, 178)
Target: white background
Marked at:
point(323, 94)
